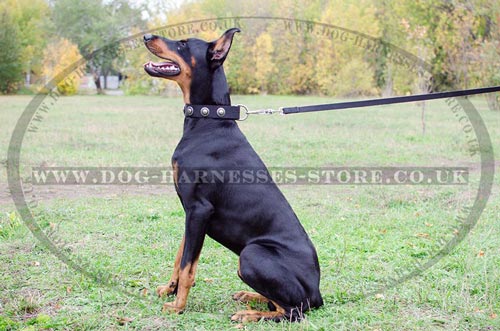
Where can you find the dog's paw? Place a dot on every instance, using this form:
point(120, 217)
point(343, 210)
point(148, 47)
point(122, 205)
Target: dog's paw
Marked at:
point(169, 289)
point(245, 316)
point(171, 308)
point(246, 297)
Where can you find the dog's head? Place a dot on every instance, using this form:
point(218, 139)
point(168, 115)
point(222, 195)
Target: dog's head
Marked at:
point(189, 61)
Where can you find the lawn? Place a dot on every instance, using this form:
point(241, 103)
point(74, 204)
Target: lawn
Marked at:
point(365, 235)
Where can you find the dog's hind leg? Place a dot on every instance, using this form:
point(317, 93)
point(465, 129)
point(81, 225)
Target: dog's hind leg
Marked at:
point(272, 279)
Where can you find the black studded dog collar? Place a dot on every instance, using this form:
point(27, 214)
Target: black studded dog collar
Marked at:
point(212, 111)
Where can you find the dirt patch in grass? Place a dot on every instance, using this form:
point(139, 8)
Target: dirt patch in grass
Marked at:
point(50, 192)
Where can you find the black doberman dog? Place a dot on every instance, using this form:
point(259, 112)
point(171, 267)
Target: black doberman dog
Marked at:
point(276, 257)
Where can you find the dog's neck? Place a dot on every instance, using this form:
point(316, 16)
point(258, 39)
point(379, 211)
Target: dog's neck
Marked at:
point(213, 91)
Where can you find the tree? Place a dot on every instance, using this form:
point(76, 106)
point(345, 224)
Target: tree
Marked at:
point(487, 66)
point(341, 68)
point(458, 38)
point(452, 35)
point(10, 51)
point(490, 70)
point(30, 17)
point(96, 27)
point(58, 55)
point(262, 52)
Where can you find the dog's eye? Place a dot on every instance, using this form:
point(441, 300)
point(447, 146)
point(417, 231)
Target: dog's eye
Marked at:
point(182, 43)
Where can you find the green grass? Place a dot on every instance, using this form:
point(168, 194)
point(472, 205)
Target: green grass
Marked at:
point(363, 234)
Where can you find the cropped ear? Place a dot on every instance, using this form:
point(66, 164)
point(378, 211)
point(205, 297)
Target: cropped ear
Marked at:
point(218, 49)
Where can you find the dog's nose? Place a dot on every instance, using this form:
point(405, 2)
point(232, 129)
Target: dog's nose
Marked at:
point(148, 37)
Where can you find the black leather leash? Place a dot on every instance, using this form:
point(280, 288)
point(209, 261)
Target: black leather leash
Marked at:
point(234, 112)
point(388, 101)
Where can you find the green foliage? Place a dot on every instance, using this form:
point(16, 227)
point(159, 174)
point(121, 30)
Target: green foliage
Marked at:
point(448, 35)
point(59, 55)
point(353, 79)
point(10, 52)
point(454, 32)
point(460, 39)
point(7, 324)
point(340, 68)
point(9, 224)
point(264, 66)
point(30, 17)
point(239, 70)
point(22, 39)
point(95, 25)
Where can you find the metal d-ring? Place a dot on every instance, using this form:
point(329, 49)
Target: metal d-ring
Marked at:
point(245, 113)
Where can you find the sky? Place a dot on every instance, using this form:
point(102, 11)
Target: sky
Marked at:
point(164, 5)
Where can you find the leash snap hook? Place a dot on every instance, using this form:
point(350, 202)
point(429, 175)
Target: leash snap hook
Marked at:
point(268, 111)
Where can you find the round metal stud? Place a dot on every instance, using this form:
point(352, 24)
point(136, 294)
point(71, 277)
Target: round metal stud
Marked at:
point(189, 111)
point(221, 112)
point(205, 111)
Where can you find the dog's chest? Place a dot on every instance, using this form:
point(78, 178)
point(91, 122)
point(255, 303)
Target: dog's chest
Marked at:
point(199, 152)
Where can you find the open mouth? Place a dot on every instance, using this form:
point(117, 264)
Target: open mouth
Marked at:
point(162, 69)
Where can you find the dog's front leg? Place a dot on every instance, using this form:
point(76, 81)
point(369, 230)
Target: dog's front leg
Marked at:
point(171, 287)
point(197, 216)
